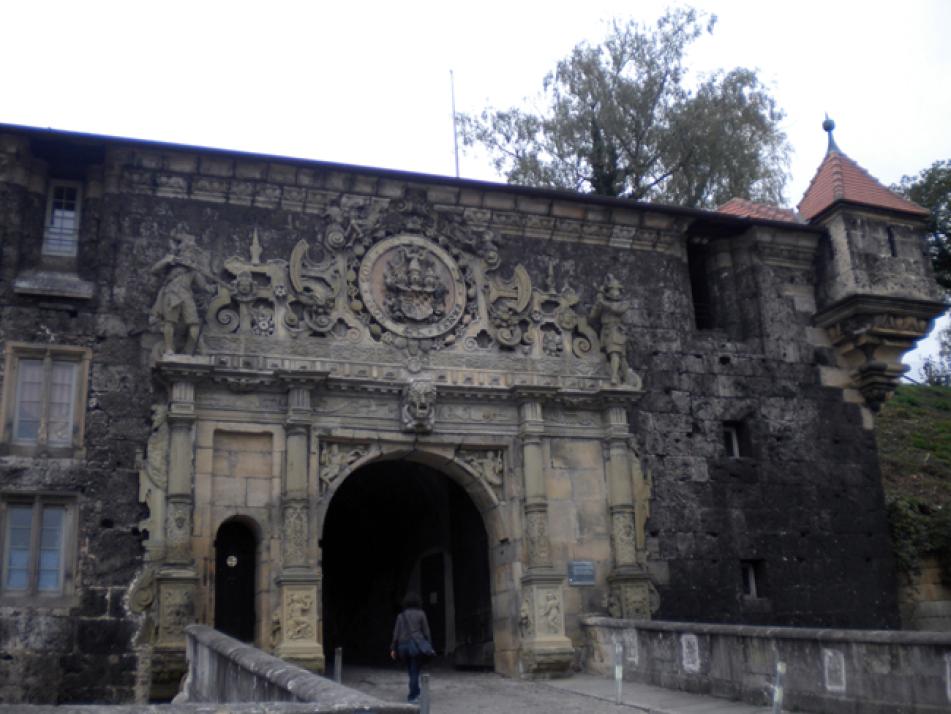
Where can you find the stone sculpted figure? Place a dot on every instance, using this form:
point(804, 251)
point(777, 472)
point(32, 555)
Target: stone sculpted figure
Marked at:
point(184, 268)
point(610, 308)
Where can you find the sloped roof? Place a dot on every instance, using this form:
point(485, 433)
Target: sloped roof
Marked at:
point(839, 178)
point(745, 208)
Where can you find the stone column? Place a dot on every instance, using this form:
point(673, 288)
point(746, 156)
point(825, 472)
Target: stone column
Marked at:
point(630, 588)
point(545, 649)
point(298, 582)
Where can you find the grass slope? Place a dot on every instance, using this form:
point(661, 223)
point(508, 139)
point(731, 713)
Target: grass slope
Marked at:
point(914, 443)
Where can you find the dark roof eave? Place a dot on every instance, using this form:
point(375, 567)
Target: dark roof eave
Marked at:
point(912, 215)
point(737, 222)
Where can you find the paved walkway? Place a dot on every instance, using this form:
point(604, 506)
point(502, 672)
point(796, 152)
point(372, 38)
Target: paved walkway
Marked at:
point(454, 692)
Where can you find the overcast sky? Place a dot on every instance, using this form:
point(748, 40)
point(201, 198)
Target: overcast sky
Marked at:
point(368, 82)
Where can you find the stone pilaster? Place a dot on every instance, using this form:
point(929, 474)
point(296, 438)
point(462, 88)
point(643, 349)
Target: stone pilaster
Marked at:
point(545, 649)
point(177, 579)
point(630, 586)
point(299, 584)
point(181, 462)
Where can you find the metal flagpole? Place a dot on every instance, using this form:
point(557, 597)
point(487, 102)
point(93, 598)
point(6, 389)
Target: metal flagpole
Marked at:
point(455, 135)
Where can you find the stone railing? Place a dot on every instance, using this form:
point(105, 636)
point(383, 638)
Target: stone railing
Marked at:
point(222, 669)
point(827, 671)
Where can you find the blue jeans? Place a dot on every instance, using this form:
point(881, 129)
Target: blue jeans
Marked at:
point(412, 667)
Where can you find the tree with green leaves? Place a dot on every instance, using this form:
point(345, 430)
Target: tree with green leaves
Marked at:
point(621, 120)
point(931, 188)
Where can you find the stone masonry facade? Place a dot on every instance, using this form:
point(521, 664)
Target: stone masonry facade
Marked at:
point(680, 400)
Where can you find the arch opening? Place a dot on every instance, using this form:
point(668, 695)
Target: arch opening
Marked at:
point(399, 526)
point(235, 578)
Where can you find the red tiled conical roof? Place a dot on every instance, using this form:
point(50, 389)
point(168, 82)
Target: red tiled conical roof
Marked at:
point(839, 178)
point(751, 209)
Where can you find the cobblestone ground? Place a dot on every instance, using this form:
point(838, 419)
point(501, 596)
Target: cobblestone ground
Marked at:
point(454, 692)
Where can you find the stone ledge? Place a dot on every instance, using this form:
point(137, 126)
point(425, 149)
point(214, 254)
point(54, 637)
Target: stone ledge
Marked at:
point(788, 633)
point(50, 283)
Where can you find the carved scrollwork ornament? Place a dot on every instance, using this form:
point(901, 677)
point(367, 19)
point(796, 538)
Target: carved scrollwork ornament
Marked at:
point(295, 533)
point(623, 537)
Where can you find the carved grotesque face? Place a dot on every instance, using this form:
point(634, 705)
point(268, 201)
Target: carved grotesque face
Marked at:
point(421, 400)
point(244, 283)
point(613, 291)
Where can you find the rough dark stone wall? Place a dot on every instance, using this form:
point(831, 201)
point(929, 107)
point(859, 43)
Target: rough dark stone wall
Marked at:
point(82, 652)
point(806, 501)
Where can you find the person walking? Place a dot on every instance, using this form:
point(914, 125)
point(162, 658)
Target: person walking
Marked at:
point(411, 641)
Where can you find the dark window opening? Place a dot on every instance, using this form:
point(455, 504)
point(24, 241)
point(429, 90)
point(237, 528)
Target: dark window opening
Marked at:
point(736, 439)
point(892, 246)
point(697, 254)
point(753, 573)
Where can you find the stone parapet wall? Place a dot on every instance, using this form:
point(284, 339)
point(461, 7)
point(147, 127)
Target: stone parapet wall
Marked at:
point(233, 708)
point(830, 671)
point(222, 669)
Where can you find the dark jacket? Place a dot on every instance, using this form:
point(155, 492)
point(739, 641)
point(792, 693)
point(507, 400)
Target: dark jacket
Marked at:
point(409, 621)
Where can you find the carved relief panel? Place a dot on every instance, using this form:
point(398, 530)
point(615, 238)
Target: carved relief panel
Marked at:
point(401, 275)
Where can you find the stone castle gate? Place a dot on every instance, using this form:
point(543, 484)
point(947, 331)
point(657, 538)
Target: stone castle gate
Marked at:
point(408, 344)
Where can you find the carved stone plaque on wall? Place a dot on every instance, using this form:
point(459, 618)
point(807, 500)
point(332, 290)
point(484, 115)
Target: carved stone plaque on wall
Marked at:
point(412, 287)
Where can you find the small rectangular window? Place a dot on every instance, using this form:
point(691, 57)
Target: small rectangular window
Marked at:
point(36, 533)
point(61, 235)
point(754, 580)
point(736, 439)
point(731, 441)
point(44, 396)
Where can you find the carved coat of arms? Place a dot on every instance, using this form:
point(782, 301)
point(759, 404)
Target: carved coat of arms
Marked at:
point(412, 287)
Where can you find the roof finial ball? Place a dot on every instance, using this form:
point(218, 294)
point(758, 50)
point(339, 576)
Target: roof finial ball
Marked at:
point(828, 125)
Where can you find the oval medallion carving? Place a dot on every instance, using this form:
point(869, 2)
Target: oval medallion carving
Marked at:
point(412, 287)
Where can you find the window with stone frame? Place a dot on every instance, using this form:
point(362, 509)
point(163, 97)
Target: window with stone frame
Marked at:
point(61, 229)
point(39, 543)
point(736, 439)
point(44, 395)
point(753, 575)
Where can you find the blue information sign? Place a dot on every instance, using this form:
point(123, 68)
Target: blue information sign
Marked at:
point(581, 572)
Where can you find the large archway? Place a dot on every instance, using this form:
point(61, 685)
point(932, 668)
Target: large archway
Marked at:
point(394, 526)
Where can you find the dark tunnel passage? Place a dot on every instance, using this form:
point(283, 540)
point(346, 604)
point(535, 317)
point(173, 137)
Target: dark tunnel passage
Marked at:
point(394, 527)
